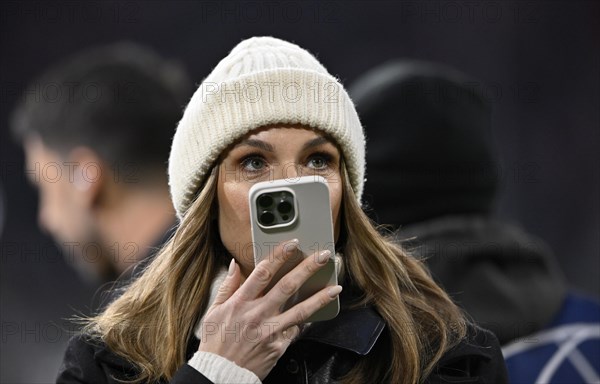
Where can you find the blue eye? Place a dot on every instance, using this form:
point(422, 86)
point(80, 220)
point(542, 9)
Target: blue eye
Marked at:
point(253, 163)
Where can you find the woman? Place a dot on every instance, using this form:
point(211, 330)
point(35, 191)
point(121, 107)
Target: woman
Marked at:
point(269, 110)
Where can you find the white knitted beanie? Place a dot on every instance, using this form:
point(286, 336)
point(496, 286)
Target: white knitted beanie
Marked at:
point(263, 81)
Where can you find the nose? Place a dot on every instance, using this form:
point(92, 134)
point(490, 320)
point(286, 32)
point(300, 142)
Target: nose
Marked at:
point(289, 171)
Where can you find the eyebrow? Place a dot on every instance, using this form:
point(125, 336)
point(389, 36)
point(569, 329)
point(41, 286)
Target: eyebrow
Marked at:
point(315, 142)
point(258, 144)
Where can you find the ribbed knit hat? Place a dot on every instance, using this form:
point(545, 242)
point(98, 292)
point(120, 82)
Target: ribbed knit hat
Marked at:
point(263, 81)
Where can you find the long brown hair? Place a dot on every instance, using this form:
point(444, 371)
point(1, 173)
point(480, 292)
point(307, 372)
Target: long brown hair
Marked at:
point(151, 323)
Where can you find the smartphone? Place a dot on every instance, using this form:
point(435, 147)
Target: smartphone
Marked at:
point(289, 209)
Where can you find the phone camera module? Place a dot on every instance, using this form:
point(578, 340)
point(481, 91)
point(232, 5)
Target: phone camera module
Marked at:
point(275, 208)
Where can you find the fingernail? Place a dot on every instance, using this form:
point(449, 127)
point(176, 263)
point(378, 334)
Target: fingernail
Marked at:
point(292, 245)
point(334, 291)
point(323, 256)
point(231, 267)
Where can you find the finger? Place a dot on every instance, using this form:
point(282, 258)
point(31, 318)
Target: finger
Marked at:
point(229, 285)
point(293, 280)
point(300, 312)
point(264, 271)
point(291, 333)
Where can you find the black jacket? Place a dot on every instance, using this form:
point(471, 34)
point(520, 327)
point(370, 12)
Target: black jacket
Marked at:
point(323, 353)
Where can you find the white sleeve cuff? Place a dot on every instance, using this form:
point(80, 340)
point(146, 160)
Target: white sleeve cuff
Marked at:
point(221, 370)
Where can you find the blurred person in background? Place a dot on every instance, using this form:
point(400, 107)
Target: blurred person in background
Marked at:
point(96, 130)
point(433, 175)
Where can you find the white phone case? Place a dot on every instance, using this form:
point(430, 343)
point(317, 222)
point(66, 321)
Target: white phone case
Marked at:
point(311, 225)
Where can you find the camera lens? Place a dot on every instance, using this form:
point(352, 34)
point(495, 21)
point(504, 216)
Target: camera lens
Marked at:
point(265, 201)
point(266, 218)
point(284, 207)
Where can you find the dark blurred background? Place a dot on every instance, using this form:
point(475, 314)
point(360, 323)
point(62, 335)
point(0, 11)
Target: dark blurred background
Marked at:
point(538, 62)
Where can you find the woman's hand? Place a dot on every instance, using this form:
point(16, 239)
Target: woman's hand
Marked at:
point(247, 327)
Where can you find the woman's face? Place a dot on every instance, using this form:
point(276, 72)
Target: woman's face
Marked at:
point(271, 154)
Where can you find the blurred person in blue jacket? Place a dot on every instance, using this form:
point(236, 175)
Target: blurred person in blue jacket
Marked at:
point(96, 129)
point(434, 175)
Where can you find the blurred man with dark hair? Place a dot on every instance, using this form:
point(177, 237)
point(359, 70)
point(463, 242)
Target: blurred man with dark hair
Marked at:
point(434, 175)
point(96, 130)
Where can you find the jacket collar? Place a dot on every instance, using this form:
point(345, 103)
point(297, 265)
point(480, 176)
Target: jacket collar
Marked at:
point(354, 329)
